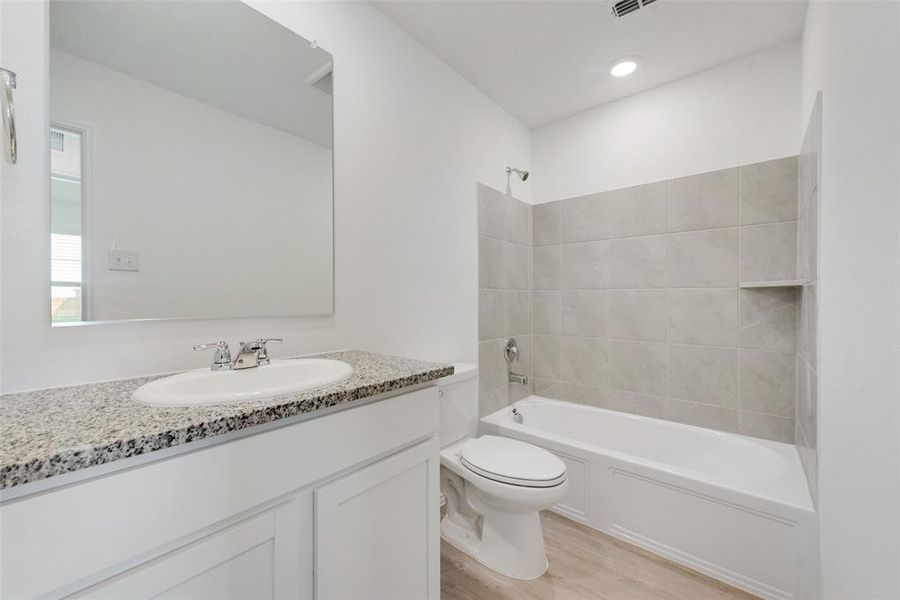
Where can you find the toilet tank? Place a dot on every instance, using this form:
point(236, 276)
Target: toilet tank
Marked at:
point(458, 404)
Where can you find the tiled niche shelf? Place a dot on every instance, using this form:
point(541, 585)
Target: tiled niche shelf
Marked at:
point(774, 284)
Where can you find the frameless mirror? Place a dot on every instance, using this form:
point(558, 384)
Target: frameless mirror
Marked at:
point(191, 163)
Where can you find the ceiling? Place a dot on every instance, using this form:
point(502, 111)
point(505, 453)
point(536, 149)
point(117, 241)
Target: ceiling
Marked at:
point(222, 53)
point(545, 60)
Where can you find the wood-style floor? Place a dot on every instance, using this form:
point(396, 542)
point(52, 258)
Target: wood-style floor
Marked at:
point(584, 565)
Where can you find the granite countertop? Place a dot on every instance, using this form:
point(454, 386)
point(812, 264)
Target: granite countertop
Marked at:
point(60, 430)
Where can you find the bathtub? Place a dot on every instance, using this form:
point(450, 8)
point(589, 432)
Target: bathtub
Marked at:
point(733, 507)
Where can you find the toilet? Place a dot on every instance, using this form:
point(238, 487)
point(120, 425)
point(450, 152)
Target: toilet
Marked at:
point(494, 486)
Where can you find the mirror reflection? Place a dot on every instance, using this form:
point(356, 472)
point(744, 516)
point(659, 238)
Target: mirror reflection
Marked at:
point(191, 163)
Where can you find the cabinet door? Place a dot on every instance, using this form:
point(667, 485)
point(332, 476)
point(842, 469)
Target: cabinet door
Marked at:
point(258, 558)
point(377, 531)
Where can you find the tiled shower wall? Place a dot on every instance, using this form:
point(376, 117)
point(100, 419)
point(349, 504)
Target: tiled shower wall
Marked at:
point(504, 296)
point(637, 304)
point(808, 270)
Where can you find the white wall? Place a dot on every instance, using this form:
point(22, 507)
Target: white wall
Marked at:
point(742, 112)
point(230, 217)
point(851, 51)
point(411, 139)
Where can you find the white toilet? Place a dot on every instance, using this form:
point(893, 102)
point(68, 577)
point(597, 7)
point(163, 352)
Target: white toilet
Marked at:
point(494, 486)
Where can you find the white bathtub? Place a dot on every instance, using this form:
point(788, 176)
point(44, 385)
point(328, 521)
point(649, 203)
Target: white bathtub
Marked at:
point(733, 507)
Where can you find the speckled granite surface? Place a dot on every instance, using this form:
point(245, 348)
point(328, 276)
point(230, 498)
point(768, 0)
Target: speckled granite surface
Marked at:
point(60, 430)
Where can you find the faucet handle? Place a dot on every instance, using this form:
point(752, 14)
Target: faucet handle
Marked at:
point(222, 357)
point(262, 354)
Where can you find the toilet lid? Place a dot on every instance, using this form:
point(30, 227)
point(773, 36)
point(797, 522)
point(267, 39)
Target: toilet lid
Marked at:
point(511, 461)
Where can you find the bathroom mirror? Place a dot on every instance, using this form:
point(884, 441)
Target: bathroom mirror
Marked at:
point(190, 163)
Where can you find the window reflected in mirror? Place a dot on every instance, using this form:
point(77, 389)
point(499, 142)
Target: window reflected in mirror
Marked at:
point(67, 203)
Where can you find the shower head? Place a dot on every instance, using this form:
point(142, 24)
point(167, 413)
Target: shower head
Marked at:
point(523, 175)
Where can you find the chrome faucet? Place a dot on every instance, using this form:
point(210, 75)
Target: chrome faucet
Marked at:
point(518, 378)
point(251, 354)
point(511, 353)
point(222, 357)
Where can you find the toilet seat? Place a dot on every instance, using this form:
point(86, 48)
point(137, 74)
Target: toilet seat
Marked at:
point(512, 462)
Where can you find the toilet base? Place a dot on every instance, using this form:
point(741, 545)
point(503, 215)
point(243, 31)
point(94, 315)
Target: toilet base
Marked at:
point(496, 523)
point(511, 544)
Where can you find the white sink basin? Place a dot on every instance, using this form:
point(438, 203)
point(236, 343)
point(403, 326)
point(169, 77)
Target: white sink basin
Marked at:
point(195, 388)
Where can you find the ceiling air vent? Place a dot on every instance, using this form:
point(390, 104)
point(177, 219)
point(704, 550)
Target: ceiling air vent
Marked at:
point(625, 7)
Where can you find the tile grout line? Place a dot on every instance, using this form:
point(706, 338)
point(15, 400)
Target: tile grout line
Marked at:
point(740, 372)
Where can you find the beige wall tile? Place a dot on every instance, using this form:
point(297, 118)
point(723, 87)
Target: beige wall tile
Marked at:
point(704, 201)
point(638, 404)
point(546, 261)
point(770, 427)
point(518, 312)
point(703, 374)
point(637, 210)
point(546, 223)
point(491, 366)
point(638, 315)
point(582, 394)
point(807, 403)
point(517, 391)
point(518, 222)
point(638, 367)
point(809, 460)
point(706, 316)
point(517, 266)
point(585, 266)
point(547, 309)
point(491, 314)
point(548, 388)
point(808, 230)
point(492, 212)
point(769, 191)
point(769, 252)
point(626, 315)
point(768, 319)
point(492, 402)
point(583, 219)
point(810, 322)
point(584, 313)
point(545, 356)
point(584, 361)
point(491, 263)
point(808, 162)
point(768, 381)
point(702, 415)
point(638, 262)
point(703, 258)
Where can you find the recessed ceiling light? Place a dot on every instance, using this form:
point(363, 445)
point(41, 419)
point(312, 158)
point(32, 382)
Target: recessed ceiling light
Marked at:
point(623, 68)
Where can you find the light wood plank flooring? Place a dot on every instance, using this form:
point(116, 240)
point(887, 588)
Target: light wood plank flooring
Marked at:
point(584, 564)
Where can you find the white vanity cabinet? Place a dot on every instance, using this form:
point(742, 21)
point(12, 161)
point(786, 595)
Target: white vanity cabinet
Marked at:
point(374, 536)
point(259, 557)
point(342, 506)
